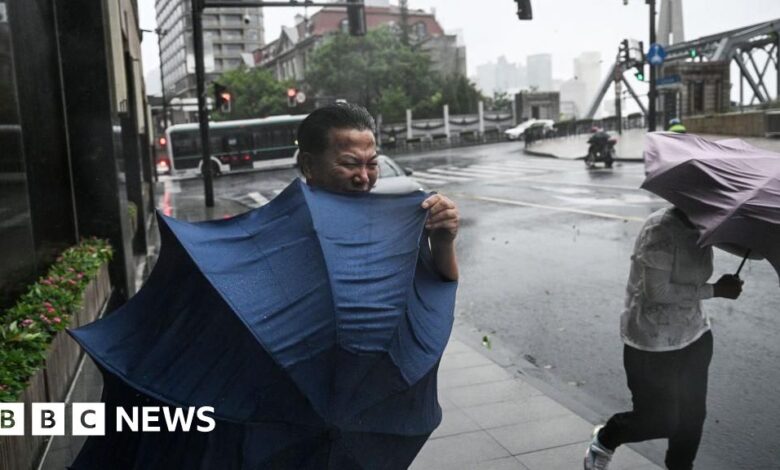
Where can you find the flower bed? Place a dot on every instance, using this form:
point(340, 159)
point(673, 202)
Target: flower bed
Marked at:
point(56, 301)
point(38, 360)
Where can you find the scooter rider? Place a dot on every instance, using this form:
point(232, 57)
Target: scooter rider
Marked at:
point(675, 125)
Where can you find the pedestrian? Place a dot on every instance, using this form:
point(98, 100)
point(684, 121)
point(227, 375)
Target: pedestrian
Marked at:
point(667, 342)
point(337, 152)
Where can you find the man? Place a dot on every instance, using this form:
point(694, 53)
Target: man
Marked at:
point(337, 152)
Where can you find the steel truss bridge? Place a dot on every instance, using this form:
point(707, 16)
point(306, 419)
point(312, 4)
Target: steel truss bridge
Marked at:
point(755, 50)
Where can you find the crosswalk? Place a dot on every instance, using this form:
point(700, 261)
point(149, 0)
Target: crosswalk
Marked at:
point(442, 175)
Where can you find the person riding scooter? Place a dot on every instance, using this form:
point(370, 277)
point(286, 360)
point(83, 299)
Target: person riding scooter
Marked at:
point(602, 148)
point(675, 125)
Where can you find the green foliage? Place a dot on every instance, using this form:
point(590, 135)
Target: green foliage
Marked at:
point(386, 76)
point(255, 93)
point(501, 101)
point(27, 328)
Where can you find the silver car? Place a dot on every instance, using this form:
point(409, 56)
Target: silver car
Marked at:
point(394, 179)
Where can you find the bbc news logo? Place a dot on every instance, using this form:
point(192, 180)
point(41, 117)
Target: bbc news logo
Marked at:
point(89, 419)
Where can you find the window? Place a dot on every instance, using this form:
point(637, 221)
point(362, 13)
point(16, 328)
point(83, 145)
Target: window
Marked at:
point(233, 48)
point(696, 91)
point(232, 34)
point(344, 26)
point(421, 30)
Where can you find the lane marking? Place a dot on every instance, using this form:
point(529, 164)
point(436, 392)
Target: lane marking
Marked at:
point(429, 180)
point(258, 198)
point(552, 208)
point(436, 173)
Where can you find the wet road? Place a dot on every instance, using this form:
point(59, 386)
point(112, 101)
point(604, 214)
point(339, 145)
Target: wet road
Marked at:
point(544, 251)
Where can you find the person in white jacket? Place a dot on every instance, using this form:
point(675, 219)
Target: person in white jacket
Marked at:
point(667, 342)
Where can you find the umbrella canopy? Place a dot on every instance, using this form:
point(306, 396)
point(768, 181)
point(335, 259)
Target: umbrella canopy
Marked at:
point(314, 326)
point(729, 189)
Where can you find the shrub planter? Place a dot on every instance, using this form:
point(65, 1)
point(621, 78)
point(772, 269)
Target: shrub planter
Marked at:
point(52, 382)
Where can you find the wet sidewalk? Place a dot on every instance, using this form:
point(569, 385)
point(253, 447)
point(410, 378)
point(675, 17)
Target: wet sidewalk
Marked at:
point(497, 420)
point(629, 147)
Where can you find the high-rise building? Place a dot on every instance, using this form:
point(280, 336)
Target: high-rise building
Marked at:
point(671, 29)
point(229, 37)
point(500, 76)
point(540, 72)
point(587, 70)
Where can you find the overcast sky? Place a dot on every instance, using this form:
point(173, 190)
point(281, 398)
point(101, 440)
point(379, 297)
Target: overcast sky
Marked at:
point(563, 28)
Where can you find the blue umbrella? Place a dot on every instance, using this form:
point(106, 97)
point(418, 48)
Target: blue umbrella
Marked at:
point(313, 325)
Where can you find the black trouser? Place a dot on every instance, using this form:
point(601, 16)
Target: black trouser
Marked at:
point(669, 393)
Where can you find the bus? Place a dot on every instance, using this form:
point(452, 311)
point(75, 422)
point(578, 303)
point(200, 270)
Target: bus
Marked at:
point(235, 145)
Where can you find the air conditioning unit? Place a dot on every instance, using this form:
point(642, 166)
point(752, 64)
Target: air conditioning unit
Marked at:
point(772, 123)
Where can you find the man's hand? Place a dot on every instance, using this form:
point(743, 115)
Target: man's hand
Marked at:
point(443, 218)
point(728, 286)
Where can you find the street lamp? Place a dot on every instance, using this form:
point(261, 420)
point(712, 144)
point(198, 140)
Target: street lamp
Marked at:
point(652, 95)
point(160, 33)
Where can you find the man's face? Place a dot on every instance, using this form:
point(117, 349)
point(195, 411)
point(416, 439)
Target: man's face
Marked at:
point(349, 164)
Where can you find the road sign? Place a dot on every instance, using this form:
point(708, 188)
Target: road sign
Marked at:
point(670, 80)
point(300, 98)
point(656, 54)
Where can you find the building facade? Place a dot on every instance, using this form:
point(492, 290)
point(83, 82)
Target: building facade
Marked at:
point(537, 105)
point(287, 56)
point(74, 135)
point(229, 37)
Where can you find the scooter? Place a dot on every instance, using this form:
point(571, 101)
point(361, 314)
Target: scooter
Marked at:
point(602, 149)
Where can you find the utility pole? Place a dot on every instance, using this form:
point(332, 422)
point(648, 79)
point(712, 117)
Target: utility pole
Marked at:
point(160, 34)
point(203, 112)
point(652, 95)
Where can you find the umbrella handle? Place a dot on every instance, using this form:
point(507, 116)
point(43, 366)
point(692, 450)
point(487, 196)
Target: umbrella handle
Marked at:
point(743, 262)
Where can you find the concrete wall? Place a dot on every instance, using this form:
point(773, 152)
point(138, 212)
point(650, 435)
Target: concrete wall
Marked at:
point(750, 124)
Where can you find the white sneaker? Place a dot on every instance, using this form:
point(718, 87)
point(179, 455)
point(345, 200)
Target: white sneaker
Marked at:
point(597, 457)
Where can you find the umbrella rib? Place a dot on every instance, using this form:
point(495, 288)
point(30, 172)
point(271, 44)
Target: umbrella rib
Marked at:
point(751, 194)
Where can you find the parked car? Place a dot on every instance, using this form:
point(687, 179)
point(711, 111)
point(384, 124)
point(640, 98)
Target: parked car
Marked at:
point(517, 132)
point(393, 178)
point(543, 128)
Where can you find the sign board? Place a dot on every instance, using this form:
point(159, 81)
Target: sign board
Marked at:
point(300, 97)
point(656, 54)
point(670, 80)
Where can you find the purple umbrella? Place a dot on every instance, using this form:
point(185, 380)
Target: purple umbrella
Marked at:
point(729, 189)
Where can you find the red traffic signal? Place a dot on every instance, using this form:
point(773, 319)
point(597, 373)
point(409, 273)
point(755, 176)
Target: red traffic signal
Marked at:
point(163, 141)
point(222, 98)
point(291, 94)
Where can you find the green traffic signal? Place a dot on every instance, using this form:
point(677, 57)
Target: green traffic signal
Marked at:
point(640, 76)
point(693, 53)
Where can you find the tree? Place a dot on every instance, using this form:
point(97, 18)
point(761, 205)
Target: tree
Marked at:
point(363, 69)
point(254, 93)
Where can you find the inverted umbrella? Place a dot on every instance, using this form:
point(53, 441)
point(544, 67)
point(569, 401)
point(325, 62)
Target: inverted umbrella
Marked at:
point(729, 189)
point(313, 325)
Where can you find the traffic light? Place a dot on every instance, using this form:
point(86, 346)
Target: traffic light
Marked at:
point(524, 11)
point(356, 17)
point(162, 141)
point(693, 52)
point(222, 98)
point(291, 95)
point(639, 72)
point(625, 53)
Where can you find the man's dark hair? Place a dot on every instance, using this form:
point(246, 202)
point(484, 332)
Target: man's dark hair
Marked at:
point(313, 131)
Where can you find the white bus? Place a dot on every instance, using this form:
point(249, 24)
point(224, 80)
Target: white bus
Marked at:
point(248, 143)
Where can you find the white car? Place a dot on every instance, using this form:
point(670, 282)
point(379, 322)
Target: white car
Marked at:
point(518, 131)
point(394, 179)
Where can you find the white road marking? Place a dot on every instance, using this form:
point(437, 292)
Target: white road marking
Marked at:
point(437, 173)
point(552, 208)
point(258, 198)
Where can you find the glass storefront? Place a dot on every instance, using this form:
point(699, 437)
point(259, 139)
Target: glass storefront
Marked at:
point(17, 252)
